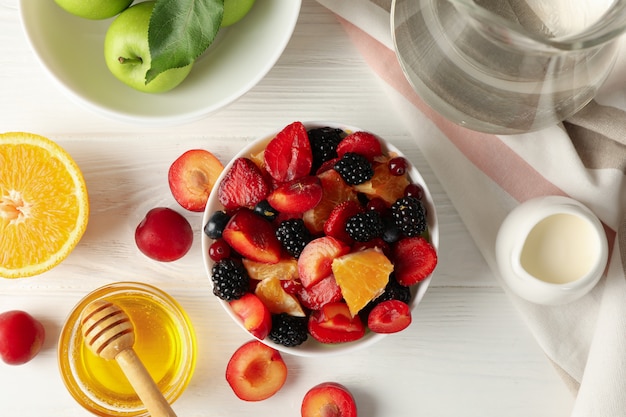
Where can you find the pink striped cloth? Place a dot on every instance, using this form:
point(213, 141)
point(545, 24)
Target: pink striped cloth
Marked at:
point(486, 176)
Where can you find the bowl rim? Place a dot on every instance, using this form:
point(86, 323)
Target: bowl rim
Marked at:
point(34, 40)
point(311, 347)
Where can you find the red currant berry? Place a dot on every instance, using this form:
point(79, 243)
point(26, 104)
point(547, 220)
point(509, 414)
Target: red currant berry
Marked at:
point(377, 204)
point(414, 190)
point(219, 250)
point(397, 166)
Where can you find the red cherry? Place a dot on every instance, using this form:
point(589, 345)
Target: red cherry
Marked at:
point(377, 204)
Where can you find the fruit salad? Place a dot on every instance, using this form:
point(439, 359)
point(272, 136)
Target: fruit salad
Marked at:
point(320, 234)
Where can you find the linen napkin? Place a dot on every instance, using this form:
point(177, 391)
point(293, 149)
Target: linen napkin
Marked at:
point(486, 176)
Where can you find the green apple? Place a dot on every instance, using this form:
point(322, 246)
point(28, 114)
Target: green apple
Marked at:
point(127, 53)
point(94, 9)
point(235, 10)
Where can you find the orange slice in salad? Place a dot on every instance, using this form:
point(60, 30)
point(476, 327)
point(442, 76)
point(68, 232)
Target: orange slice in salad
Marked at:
point(285, 269)
point(44, 205)
point(335, 192)
point(362, 276)
point(276, 299)
point(384, 184)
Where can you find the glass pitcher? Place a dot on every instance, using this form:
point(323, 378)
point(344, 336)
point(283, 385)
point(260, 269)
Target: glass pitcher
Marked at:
point(507, 66)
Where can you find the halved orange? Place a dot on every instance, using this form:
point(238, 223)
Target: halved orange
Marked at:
point(44, 207)
point(362, 276)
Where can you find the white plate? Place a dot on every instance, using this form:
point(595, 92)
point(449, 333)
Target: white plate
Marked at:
point(70, 49)
point(311, 347)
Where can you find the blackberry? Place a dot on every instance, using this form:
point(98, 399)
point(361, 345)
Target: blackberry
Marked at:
point(266, 211)
point(288, 330)
point(230, 279)
point(365, 226)
point(293, 235)
point(324, 141)
point(216, 224)
point(396, 291)
point(409, 215)
point(354, 168)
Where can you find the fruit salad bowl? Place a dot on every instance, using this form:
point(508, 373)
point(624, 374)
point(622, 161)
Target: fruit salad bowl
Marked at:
point(71, 51)
point(320, 238)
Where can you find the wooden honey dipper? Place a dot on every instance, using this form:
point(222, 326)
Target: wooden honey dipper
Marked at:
point(109, 333)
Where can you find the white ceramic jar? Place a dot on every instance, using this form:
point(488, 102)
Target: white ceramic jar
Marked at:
point(551, 250)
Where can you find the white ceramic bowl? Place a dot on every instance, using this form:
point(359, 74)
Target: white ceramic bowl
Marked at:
point(70, 49)
point(311, 347)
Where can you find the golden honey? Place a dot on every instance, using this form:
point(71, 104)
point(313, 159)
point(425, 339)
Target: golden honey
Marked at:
point(164, 340)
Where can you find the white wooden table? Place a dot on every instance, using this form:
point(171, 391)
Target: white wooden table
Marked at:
point(467, 352)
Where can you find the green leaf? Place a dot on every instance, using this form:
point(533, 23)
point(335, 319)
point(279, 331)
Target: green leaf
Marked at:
point(180, 31)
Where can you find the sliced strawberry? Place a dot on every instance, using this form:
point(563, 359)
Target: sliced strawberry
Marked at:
point(243, 186)
point(288, 155)
point(335, 225)
point(256, 371)
point(414, 260)
point(327, 165)
point(253, 237)
point(317, 257)
point(334, 324)
point(389, 316)
point(297, 196)
point(321, 293)
point(363, 143)
point(254, 315)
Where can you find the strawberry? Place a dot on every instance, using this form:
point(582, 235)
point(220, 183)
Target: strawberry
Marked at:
point(333, 323)
point(414, 260)
point(252, 237)
point(243, 185)
point(296, 196)
point(256, 371)
point(363, 143)
point(389, 316)
point(326, 166)
point(288, 155)
point(254, 315)
point(321, 293)
point(317, 257)
point(335, 225)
